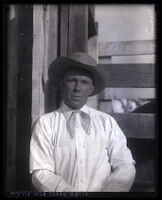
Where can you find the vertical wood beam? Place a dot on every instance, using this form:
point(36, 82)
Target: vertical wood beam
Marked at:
point(45, 35)
point(63, 30)
point(50, 37)
point(50, 53)
point(78, 28)
point(37, 65)
point(93, 51)
point(25, 40)
point(11, 116)
point(73, 28)
point(92, 26)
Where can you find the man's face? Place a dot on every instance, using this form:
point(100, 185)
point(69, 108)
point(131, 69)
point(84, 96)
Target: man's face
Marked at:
point(77, 86)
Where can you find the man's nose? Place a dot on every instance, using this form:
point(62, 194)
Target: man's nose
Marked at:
point(77, 86)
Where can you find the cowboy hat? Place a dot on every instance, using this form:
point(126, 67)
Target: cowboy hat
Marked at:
point(78, 60)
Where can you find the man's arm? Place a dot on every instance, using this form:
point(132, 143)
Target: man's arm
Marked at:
point(47, 181)
point(42, 163)
point(121, 179)
point(122, 163)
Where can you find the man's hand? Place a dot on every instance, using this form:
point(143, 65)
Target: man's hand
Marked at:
point(69, 189)
point(121, 179)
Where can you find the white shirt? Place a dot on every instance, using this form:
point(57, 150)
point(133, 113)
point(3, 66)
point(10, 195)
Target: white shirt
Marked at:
point(83, 162)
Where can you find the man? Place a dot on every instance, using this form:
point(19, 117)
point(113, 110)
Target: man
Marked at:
point(78, 148)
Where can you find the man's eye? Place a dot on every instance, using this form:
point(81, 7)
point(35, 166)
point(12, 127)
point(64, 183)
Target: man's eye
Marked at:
point(70, 81)
point(85, 82)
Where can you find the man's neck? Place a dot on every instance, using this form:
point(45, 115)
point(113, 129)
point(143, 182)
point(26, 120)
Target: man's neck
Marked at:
point(72, 108)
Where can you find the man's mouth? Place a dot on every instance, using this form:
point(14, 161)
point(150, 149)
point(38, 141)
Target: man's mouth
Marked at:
point(76, 97)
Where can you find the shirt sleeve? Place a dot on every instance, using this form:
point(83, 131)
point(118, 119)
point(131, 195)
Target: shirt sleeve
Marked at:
point(41, 148)
point(119, 153)
point(42, 163)
point(46, 181)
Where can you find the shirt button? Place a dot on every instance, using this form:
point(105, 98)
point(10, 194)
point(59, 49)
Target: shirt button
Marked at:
point(81, 181)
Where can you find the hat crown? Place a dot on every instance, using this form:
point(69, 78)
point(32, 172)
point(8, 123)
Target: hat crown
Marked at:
point(83, 58)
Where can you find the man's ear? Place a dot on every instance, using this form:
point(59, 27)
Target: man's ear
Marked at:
point(91, 89)
point(61, 85)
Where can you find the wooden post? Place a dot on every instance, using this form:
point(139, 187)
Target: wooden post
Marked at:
point(63, 30)
point(73, 29)
point(50, 53)
point(37, 65)
point(11, 116)
point(78, 28)
point(44, 52)
point(93, 51)
point(24, 77)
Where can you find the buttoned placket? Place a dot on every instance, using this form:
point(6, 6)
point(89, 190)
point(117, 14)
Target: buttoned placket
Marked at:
point(80, 144)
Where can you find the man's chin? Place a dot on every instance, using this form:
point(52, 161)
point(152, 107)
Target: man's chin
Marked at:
point(76, 105)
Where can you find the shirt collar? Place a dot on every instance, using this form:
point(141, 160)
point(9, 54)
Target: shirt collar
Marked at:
point(67, 110)
point(85, 119)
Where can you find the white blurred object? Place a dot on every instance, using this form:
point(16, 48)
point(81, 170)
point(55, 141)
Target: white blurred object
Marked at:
point(132, 105)
point(117, 106)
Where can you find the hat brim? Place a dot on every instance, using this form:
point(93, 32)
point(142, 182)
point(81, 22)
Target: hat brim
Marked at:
point(62, 64)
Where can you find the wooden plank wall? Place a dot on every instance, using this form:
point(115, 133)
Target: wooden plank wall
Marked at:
point(92, 24)
point(78, 28)
point(11, 69)
point(133, 81)
point(136, 125)
point(19, 64)
point(73, 28)
point(63, 30)
point(93, 51)
point(130, 75)
point(58, 31)
point(45, 35)
point(127, 48)
point(126, 93)
point(24, 87)
point(34, 39)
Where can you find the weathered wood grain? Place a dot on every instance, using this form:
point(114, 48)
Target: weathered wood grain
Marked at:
point(93, 51)
point(63, 30)
point(45, 31)
point(137, 125)
point(128, 93)
point(143, 47)
point(23, 134)
point(11, 95)
point(130, 75)
point(38, 62)
point(78, 28)
point(51, 37)
point(145, 172)
point(92, 26)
